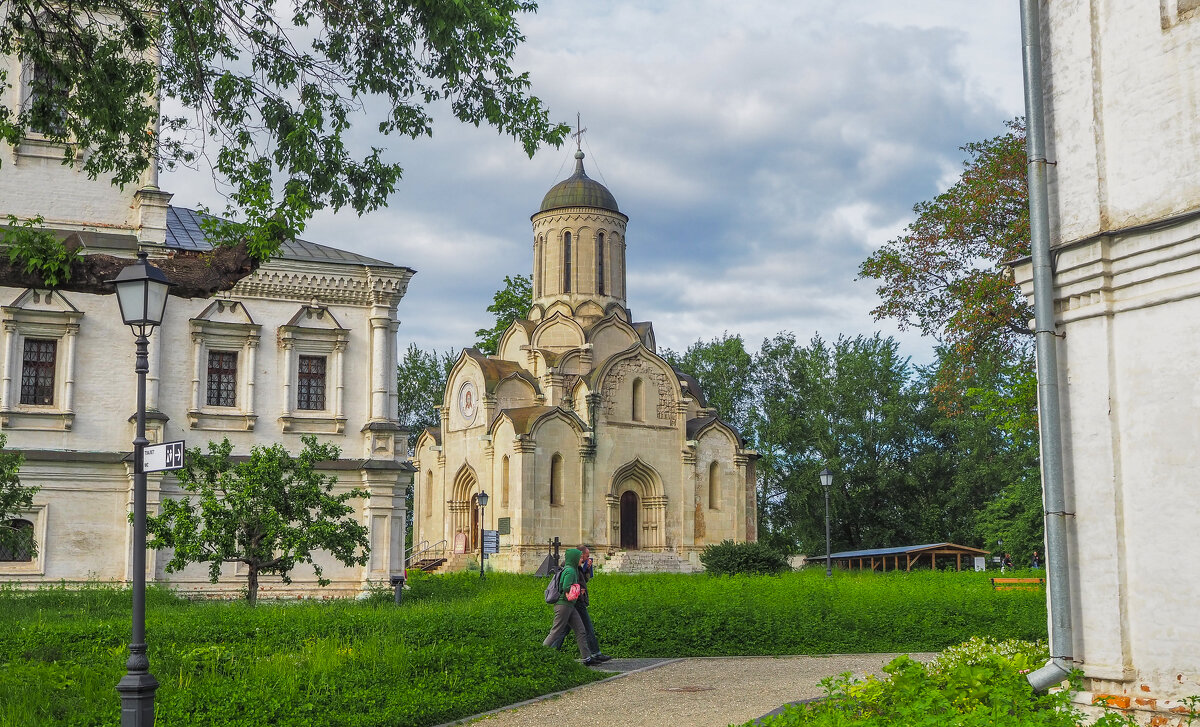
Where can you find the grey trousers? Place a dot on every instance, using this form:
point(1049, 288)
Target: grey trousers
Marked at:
point(566, 617)
point(588, 628)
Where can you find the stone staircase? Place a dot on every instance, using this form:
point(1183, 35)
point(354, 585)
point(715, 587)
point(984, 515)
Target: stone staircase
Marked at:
point(645, 561)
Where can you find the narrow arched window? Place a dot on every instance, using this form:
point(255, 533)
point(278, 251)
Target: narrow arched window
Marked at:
point(538, 246)
point(504, 481)
point(714, 486)
point(428, 507)
point(20, 547)
point(600, 263)
point(556, 475)
point(621, 266)
point(566, 262)
point(639, 401)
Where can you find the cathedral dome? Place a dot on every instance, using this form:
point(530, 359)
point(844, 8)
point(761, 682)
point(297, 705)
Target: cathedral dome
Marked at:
point(579, 190)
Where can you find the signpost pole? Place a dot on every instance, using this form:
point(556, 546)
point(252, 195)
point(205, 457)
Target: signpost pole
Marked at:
point(138, 685)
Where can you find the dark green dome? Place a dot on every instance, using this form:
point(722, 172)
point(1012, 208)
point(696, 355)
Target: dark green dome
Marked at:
point(579, 190)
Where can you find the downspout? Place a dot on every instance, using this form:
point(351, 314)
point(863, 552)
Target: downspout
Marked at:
point(1061, 633)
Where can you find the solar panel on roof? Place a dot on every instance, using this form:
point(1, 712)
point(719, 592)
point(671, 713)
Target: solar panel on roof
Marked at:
point(184, 233)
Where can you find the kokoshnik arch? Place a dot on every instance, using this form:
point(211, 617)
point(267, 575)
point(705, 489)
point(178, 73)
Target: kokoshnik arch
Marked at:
point(577, 429)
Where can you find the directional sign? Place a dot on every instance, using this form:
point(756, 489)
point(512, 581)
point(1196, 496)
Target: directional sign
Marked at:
point(160, 457)
point(491, 541)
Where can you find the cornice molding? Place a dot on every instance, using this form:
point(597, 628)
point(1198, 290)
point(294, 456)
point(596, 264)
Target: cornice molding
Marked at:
point(326, 284)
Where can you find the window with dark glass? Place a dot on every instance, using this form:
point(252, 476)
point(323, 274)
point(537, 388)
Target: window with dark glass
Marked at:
point(48, 101)
point(310, 388)
point(556, 475)
point(566, 262)
point(37, 371)
point(20, 548)
point(222, 378)
point(600, 263)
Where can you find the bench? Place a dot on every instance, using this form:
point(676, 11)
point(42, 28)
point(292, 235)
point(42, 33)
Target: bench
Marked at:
point(1008, 584)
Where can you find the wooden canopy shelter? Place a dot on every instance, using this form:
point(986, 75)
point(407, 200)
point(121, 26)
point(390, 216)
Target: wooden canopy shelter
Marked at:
point(904, 558)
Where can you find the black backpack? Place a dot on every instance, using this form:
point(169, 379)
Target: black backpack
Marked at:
point(554, 587)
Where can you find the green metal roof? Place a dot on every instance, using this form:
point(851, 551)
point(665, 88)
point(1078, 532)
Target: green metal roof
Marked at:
point(579, 190)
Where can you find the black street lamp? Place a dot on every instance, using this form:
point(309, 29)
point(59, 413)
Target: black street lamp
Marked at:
point(482, 498)
point(826, 483)
point(142, 295)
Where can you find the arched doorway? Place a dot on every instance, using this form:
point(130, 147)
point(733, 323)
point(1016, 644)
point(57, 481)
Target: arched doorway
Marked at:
point(629, 520)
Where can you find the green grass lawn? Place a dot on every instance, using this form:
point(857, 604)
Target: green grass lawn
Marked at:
point(457, 646)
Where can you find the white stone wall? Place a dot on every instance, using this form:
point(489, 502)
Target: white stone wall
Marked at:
point(1122, 103)
point(1122, 80)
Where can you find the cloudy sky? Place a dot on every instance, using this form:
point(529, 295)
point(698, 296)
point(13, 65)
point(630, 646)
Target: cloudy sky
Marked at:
point(760, 149)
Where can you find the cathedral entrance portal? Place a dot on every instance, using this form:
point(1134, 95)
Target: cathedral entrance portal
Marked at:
point(629, 520)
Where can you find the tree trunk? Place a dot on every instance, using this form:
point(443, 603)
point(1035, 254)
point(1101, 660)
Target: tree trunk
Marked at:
point(252, 584)
point(194, 274)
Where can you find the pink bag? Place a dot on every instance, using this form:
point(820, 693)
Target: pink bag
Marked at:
point(573, 592)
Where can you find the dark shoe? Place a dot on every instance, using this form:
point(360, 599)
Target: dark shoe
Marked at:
point(600, 658)
point(591, 661)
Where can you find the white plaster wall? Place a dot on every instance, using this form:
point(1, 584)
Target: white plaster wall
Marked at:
point(1157, 359)
point(1123, 94)
point(33, 181)
point(106, 385)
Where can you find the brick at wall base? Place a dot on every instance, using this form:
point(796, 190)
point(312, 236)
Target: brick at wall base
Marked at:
point(1145, 710)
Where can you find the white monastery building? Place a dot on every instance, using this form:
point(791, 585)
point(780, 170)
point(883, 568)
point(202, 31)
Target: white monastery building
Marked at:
point(577, 429)
point(1121, 93)
point(304, 345)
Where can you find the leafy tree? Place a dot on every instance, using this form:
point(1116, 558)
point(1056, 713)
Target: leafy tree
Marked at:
point(510, 303)
point(270, 94)
point(945, 275)
point(1015, 513)
point(723, 369)
point(271, 512)
point(14, 498)
point(850, 405)
point(421, 382)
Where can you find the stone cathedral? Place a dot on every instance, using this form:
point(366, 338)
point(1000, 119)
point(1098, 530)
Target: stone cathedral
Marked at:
point(577, 429)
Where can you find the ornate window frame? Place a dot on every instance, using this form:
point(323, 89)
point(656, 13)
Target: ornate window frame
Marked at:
point(55, 318)
point(36, 514)
point(301, 337)
point(241, 337)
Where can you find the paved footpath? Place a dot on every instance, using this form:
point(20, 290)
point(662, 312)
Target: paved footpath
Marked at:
point(694, 692)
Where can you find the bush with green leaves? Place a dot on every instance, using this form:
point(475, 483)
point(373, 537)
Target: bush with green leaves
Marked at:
point(729, 558)
point(980, 683)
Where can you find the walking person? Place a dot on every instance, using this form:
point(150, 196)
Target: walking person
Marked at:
point(586, 571)
point(1035, 562)
point(566, 617)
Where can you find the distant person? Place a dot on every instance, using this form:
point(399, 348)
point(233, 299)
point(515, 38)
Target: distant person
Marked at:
point(1035, 562)
point(586, 571)
point(566, 616)
point(1008, 561)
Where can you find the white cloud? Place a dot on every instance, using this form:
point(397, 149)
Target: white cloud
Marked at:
point(761, 149)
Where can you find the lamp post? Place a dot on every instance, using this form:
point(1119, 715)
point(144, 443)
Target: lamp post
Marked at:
point(1000, 546)
point(482, 499)
point(826, 483)
point(142, 295)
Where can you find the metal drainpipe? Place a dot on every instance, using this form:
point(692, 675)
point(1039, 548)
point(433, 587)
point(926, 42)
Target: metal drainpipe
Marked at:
point(1061, 633)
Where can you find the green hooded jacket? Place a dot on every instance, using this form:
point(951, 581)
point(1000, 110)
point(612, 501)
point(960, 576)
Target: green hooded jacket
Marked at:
point(570, 572)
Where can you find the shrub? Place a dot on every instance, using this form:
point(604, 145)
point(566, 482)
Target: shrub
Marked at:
point(980, 683)
point(730, 558)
